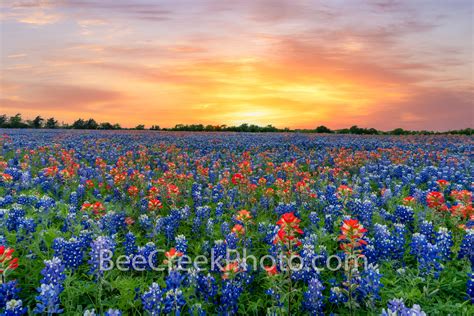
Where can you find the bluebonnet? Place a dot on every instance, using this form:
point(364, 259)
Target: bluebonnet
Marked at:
point(336, 295)
point(101, 247)
point(181, 244)
point(149, 253)
point(206, 286)
point(313, 298)
point(427, 229)
point(112, 222)
point(70, 251)
point(130, 244)
point(404, 215)
point(14, 218)
point(14, 308)
point(383, 242)
point(397, 307)
point(444, 242)
point(219, 209)
point(314, 219)
point(231, 291)
point(53, 273)
point(470, 287)
point(196, 310)
point(51, 287)
point(426, 254)
point(8, 291)
point(231, 241)
point(174, 298)
point(370, 285)
point(152, 300)
point(113, 312)
point(362, 210)
point(275, 296)
point(145, 222)
point(225, 228)
point(398, 239)
point(308, 256)
point(218, 250)
point(467, 247)
point(48, 299)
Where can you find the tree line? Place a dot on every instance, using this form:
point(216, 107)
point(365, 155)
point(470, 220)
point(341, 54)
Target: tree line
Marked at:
point(17, 121)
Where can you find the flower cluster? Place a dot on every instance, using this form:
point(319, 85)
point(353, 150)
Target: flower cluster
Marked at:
point(51, 287)
point(7, 261)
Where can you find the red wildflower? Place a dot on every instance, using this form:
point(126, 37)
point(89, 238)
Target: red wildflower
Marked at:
point(129, 221)
point(7, 262)
point(154, 204)
point(343, 192)
point(272, 270)
point(352, 233)
point(443, 184)
point(173, 253)
point(132, 190)
point(230, 270)
point(289, 229)
point(435, 199)
point(243, 215)
point(237, 178)
point(409, 200)
point(238, 229)
point(7, 178)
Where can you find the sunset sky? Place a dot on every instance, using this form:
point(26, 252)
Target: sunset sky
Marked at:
point(297, 64)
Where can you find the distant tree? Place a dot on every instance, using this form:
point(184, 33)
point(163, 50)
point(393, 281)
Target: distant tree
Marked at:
point(398, 131)
point(78, 124)
point(322, 129)
point(51, 123)
point(140, 127)
point(105, 125)
point(3, 120)
point(91, 124)
point(37, 122)
point(155, 128)
point(117, 126)
point(17, 122)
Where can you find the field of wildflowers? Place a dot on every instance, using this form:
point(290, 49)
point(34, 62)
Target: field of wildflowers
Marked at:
point(71, 201)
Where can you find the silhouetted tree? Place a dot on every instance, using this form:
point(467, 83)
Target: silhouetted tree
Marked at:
point(322, 129)
point(51, 123)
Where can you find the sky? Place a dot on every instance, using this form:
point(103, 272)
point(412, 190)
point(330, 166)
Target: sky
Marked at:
point(298, 64)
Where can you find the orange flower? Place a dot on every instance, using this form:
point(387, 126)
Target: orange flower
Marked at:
point(237, 178)
point(7, 262)
point(89, 184)
point(132, 190)
point(243, 215)
point(154, 204)
point(343, 192)
point(230, 270)
point(443, 184)
point(434, 199)
point(129, 221)
point(7, 178)
point(352, 233)
point(271, 270)
point(463, 196)
point(289, 229)
point(171, 255)
point(409, 200)
point(238, 230)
